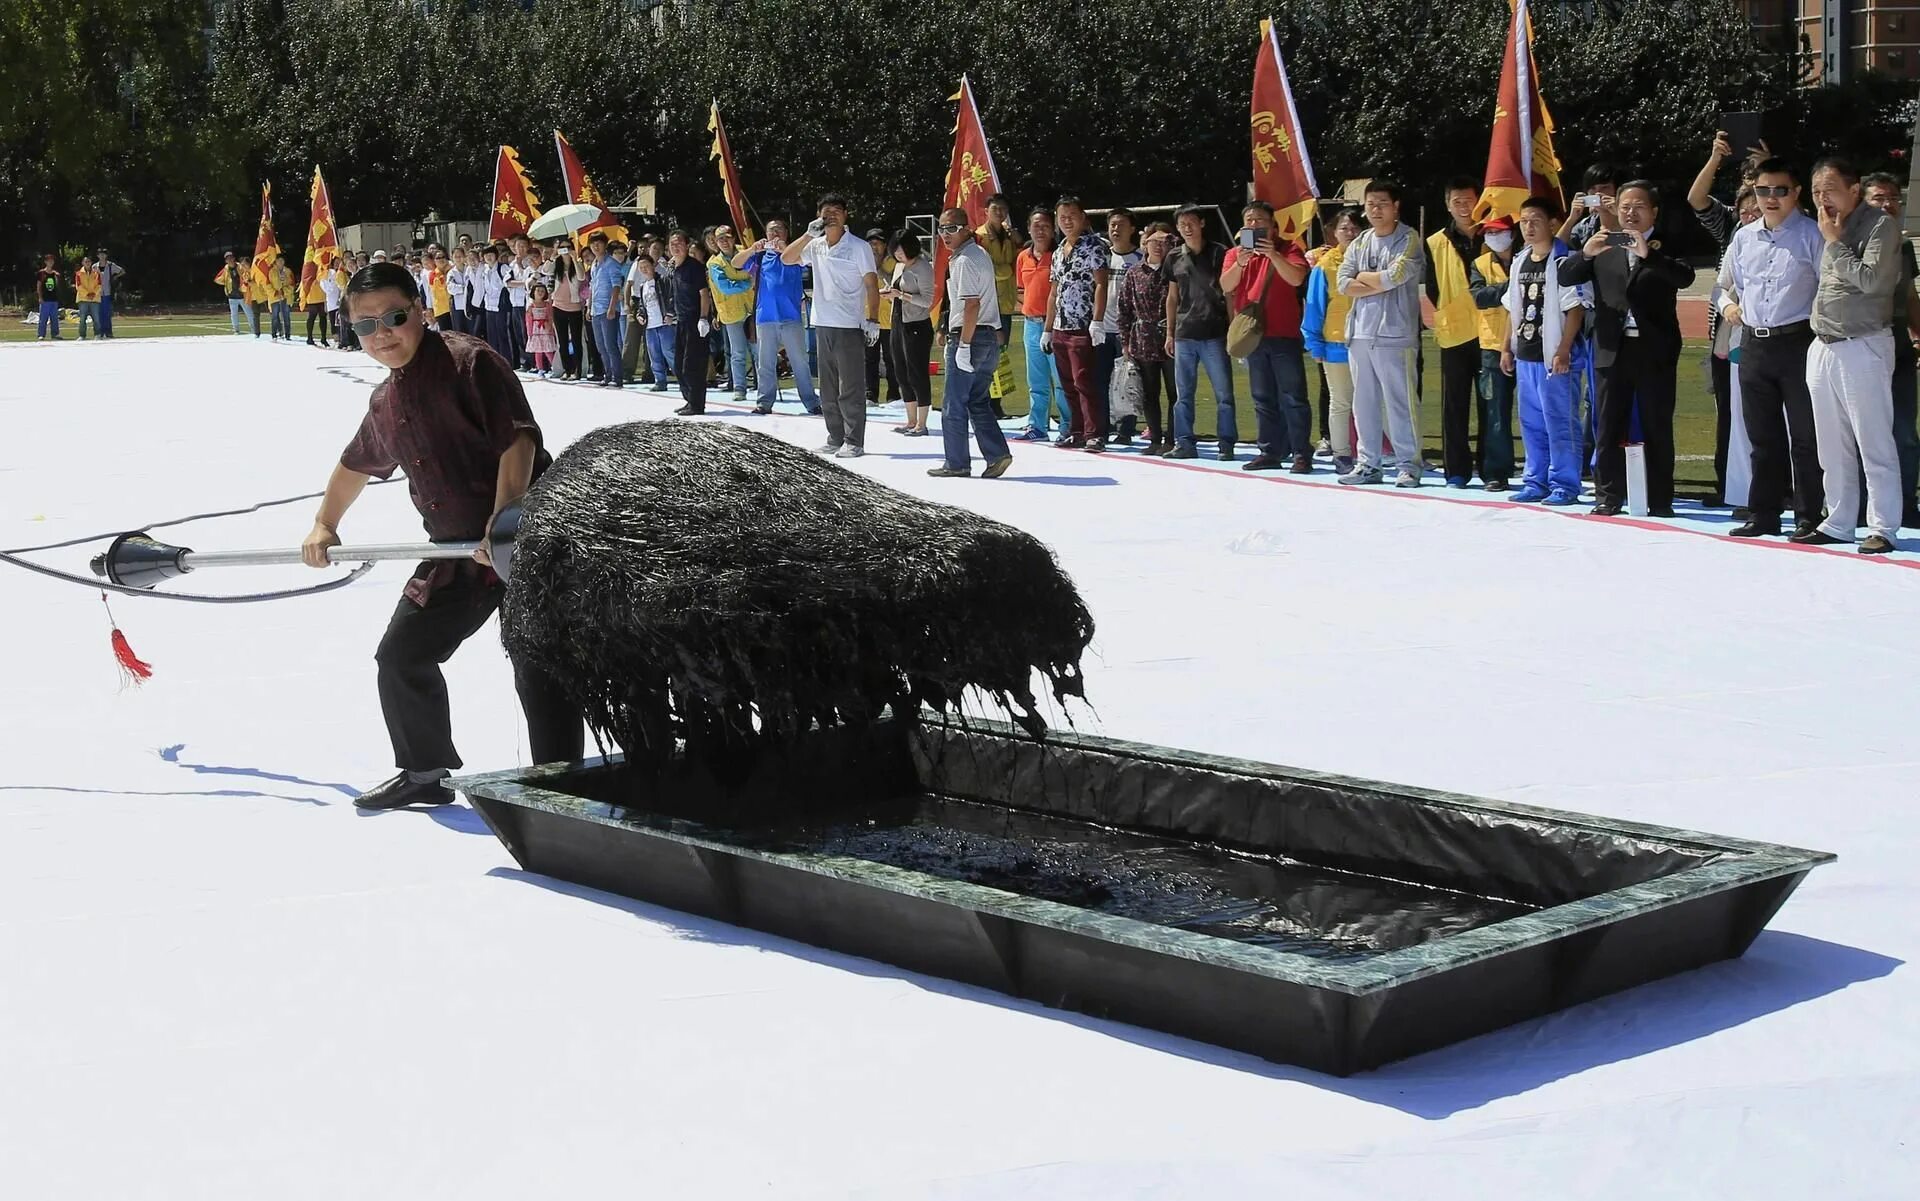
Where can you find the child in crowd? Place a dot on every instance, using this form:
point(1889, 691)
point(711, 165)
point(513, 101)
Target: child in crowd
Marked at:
point(542, 342)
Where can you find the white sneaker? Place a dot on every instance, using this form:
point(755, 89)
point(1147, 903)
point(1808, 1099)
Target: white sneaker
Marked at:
point(1408, 478)
point(849, 451)
point(1361, 474)
point(831, 448)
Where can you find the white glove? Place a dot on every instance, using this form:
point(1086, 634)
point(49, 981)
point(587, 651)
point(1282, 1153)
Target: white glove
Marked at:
point(963, 358)
point(1097, 333)
point(706, 327)
point(1046, 343)
point(817, 227)
point(872, 330)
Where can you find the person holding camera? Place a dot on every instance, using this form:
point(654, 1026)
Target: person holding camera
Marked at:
point(1772, 271)
point(1259, 272)
point(1636, 291)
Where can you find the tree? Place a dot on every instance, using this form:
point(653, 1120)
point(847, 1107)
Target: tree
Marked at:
point(105, 133)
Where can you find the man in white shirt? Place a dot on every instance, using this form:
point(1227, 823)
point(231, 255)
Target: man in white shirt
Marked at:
point(846, 319)
point(973, 351)
point(517, 276)
point(1773, 271)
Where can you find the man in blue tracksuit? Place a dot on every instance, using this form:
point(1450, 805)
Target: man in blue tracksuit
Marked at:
point(1546, 317)
point(777, 316)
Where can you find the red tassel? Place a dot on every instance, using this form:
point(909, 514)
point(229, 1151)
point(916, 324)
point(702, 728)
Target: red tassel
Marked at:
point(133, 669)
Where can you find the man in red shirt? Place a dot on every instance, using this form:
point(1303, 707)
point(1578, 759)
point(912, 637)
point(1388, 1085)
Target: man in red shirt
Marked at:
point(1276, 370)
point(454, 416)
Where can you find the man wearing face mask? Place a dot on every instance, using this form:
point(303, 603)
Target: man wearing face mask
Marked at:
point(453, 415)
point(1772, 272)
point(1487, 281)
point(1456, 330)
point(1636, 346)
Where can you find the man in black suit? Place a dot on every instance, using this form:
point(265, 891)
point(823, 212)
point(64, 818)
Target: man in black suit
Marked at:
point(1636, 345)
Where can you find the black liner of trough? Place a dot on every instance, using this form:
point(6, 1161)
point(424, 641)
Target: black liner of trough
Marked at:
point(1307, 918)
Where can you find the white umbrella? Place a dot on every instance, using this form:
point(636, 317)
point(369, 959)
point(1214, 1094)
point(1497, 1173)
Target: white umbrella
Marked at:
point(567, 219)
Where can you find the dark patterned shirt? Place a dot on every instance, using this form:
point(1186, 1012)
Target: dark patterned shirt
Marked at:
point(1143, 313)
point(445, 419)
point(1076, 268)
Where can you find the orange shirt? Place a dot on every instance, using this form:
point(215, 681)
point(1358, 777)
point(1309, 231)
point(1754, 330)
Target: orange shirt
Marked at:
point(1035, 277)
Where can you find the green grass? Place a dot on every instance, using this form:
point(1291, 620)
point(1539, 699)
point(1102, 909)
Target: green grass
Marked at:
point(1693, 417)
point(165, 325)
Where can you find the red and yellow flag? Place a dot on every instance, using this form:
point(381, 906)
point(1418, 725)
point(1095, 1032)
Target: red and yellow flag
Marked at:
point(971, 176)
point(729, 177)
point(515, 207)
point(266, 246)
point(580, 190)
point(1282, 171)
point(1520, 161)
point(323, 242)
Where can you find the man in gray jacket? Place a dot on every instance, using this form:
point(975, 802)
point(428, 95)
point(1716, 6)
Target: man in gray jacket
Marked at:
point(1382, 271)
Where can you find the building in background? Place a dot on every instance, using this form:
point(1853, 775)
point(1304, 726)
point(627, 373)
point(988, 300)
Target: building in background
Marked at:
point(1845, 37)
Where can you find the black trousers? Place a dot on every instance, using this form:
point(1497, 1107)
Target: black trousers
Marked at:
point(690, 364)
point(873, 370)
point(1775, 402)
point(1459, 372)
point(1156, 378)
point(909, 343)
point(316, 312)
point(413, 692)
point(567, 326)
point(1636, 377)
point(1722, 371)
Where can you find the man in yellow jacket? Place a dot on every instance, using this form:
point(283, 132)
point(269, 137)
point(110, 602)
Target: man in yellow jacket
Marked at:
point(86, 294)
point(732, 290)
point(1456, 329)
point(281, 290)
point(1487, 280)
point(1002, 242)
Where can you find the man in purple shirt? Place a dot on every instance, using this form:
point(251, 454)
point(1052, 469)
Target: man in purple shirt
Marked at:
point(453, 415)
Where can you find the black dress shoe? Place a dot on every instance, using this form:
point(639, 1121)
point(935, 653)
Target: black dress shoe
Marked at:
point(1816, 537)
point(1802, 529)
point(401, 791)
point(1605, 508)
point(1756, 529)
point(1660, 513)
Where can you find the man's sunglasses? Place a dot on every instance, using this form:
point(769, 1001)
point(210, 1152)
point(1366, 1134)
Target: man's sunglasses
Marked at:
point(951, 229)
point(366, 325)
point(1772, 191)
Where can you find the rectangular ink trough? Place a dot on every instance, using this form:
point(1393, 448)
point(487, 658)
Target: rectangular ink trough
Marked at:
point(1307, 918)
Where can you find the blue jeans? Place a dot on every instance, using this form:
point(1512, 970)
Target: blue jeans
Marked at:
point(609, 330)
point(660, 354)
point(1496, 418)
point(106, 315)
point(1189, 356)
point(1044, 392)
point(1277, 377)
point(739, 353)
point(89, 311)
point(965, 401)
point(236, 308)
point(49, 320)
point(792, 337)
point(282, 320)
point(1550, 428)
